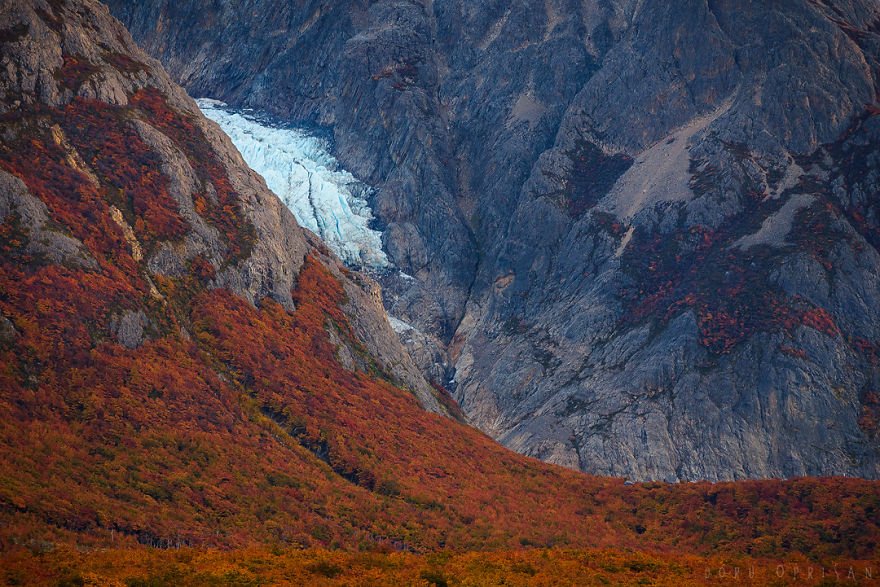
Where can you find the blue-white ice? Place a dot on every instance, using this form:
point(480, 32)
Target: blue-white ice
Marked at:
point(300, 170)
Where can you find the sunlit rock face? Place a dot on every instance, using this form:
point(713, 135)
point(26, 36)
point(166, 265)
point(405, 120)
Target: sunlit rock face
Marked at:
point(298, 167)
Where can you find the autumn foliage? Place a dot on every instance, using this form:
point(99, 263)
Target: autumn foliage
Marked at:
point(220, 204)
point(319, 567)
point(235, 425)
point(727, 289)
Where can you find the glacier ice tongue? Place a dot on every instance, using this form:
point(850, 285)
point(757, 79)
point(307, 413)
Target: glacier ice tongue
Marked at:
point(300, 170)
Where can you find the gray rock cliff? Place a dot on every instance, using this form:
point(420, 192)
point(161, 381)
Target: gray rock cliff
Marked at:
point(644, 236)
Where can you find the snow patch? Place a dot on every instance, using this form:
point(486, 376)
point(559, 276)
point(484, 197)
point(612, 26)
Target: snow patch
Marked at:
point(527, 109)
point(660, 173)
point(775, 228)
point(624, 242)
point(300, 170)
point(790, 180)
point(399, 326)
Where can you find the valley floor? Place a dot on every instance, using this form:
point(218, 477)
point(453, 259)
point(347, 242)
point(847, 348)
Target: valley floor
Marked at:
point(41, 565)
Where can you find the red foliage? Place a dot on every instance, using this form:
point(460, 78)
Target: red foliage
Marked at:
point(721, 331)
point(819, 319)
point(867, 349)
point(221, 207)
point(726, 288)
point(262, 565)
point(202, 269)
point(448, 402)
point(112, 147)
point(253, 431)
point(793, 352)
point(74, 71)
point(869, 419)
point(74, 202)
point(232, 423)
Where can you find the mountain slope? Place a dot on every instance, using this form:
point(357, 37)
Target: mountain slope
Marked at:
point(183, 365)
point(644, 236)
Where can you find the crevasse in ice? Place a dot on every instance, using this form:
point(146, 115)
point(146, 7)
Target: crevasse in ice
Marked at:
point(300, 170)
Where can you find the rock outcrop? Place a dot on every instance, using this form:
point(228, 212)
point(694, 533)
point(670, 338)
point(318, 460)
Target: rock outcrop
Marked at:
point(55, 66)
point(643, 235)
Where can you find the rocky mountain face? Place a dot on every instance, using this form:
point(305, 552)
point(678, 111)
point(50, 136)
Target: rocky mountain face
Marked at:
point(182, 365)
point(61, 84)
point(644, 235)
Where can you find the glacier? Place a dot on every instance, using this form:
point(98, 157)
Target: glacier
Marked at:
point(299, 169)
